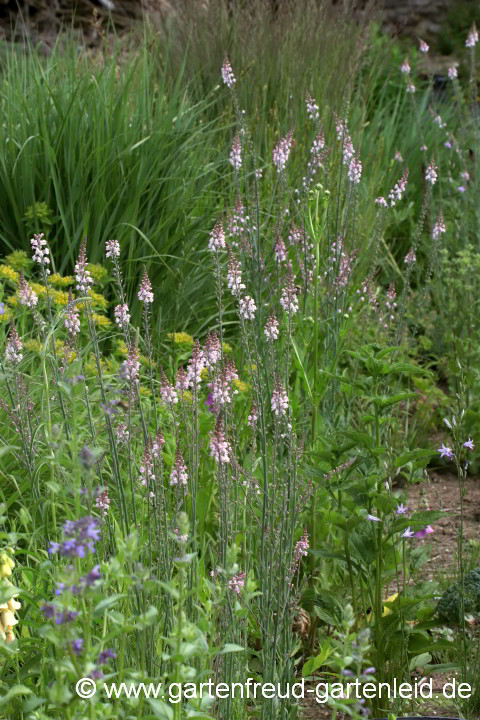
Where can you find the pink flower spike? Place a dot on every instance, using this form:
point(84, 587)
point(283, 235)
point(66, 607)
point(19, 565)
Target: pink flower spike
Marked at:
point(227, 74)
point(145, 293)
point(472, 38)
point(469, 444)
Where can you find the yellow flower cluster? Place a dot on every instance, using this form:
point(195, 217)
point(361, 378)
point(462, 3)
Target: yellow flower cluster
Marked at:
point(240, 385)
point(204, 373)
point(101, 320)
point(7, 610)
point(39, 210)
point(98, 272)
point(7, 316)
point(18, 260)
point(122, 347)
point(32, 346)
point(59, 297)
point(57, 279)
point(180, 338)
point(12, 300)
point(9, 274)
point(97, 299)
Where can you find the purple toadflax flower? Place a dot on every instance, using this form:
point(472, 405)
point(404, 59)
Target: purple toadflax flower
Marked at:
point(81, 536)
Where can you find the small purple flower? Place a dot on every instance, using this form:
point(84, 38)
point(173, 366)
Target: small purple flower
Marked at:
point(373, 518)
point(408, 533)
point(66, 616)
point(447, 144)
point(469, 444)
point(401, 509)
point(2, 308)
point(48, 610)
point(96, 674)
point(348, 673)
point(445, 452)
point(425, 531)
point(209, 402)
point(370, 671)
point(77, 646)
point(105, 656)
point(461, 188)
point(80, 536)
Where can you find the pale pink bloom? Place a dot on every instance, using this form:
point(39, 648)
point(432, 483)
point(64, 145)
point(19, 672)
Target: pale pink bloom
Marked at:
point(72, 319)
point(40, 251)
point(355, 171)
point(112, 248)
point(452, 72)
point(281, 152)
point(381, 202)
point(247, 307)
point(196, 365)
point(219, 446)
point(179, 475)
point(439, 227)
point(167, 391)
point(410, 257)
point(411, 88)
point(398, 190)
point(157, 445)
point(234, 276)
point(271, 328)
point(424, 48)
point(82, 275)
point(227, 74)
point(465, 175)
point(130, 368)
point(212, 350)
point(14, 347)
point(102, 502)
point(301, 549)
point(253, 417)
point(280, 251)
point(121, 433)
point(236, 153)
point(312, 107)
point(122, 316)
point(237, 582)
point(182, 382)
point(145, 293)
point(398, 157)
point(26, 296)
point(472, 37)
point(217, 238)
point(405, 67)
point(431, 173)
point(279, 400)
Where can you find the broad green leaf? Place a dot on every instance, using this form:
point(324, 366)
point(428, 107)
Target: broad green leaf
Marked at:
point(108, 602)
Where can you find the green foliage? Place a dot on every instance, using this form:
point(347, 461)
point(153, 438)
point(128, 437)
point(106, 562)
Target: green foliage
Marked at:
point(449, 607)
